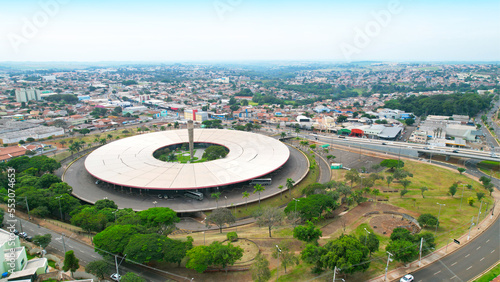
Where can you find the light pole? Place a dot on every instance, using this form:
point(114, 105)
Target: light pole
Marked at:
point(461, 198)
point(203, 237)
point(278, 269)
point(115, 214)
point(60, 210)
point(296, 200)
point(366, 235)
point(437, 224)
point(479, 212)
point(387, 266)
point(471, 224)
point(154, 203)
point(225, 197)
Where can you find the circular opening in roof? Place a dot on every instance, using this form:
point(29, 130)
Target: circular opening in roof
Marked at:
point(202, 152)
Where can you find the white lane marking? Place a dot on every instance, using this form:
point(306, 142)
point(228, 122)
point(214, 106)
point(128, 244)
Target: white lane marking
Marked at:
point(487, 240)
point(478, 248)
point(453, 264)
point(481, 259)
point(437, 272)
point(492, 251)
point(467, 255)
point(469, 267)
point(453, 277)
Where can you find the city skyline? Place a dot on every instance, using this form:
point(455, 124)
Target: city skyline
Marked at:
point(152, 31)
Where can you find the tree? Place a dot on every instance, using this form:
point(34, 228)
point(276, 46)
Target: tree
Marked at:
point(144, 248)
point(401, 174)
point(489, 187)
point(346, 253)
point(403, 192)
point(283, 135)
point(307, 233)
point(423, 189)
point(199, 258)
point(245, 196)
point(216, 195)
point(270, 217)
point(224, 255)
point(405, 183)
point(479, 195)
point(71, 263)
point(485, 180)
point(162, 218)
point(403, 251)
point(352, 175)
point(281, 191)
point(312, 206)
point(132, 277)
point(409, 121)
point(372, 243)
point(376, 192)
point(115, 238)
point(220, 217)
point(470, 201)
point(389, 180)
point(42, 240)
point(214, 152)
point(289, 185)
point(258, 188)
point(98, 268)
point(341, 119)
point(391, 164)
point(85, 131)
point(286, 257)
point(461, 170)
point(260, 269)
point(175, 250)
point(427, 219)
point(453, 189)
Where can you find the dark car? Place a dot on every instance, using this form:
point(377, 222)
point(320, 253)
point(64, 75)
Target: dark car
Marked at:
point(455, 151)
point(28, 238)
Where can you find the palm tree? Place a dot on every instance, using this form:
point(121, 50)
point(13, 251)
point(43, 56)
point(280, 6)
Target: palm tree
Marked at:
point(297, 130)
point(289, 185)
point(257, 189)
point(245, 196)
point(216, 196)
point(281, 189)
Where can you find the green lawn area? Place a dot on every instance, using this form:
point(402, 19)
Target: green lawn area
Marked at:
point(490, 167)
point(490, 275)
point(454, 222)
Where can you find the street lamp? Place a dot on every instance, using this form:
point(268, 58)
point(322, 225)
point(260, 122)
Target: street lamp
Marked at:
point(437, 224)
point(296, 200)
point(115, 214)
point(278, 268)
point(154, 203)
point(462, 197)
point(366, 235)
point(60, 210)
point(225, 200)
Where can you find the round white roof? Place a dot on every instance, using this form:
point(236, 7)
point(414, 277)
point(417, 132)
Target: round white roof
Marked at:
point(129, 162)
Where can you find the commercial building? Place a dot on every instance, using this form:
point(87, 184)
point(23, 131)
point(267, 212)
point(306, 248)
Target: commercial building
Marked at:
point(195, 115)
point(14, 255)
point(37, 133)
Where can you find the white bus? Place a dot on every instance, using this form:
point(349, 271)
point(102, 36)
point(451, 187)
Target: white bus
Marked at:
point(261, 181)
point(195, 195)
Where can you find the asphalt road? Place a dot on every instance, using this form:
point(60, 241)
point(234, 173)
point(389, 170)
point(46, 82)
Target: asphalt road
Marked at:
point(82, 251)
point(468, 261)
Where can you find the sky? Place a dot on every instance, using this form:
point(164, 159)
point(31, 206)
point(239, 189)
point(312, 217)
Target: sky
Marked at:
point(246, 30)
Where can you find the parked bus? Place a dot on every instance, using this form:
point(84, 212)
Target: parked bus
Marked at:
point(261, 181)
point(195, 195)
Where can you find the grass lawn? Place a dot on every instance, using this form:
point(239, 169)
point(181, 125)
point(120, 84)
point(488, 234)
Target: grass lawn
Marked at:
point(490, 275)
point(490, 168)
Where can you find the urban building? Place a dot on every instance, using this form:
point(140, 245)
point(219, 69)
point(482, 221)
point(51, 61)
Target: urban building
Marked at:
point(25, 95)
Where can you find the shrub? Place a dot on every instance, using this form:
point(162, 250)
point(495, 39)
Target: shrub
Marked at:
point(470, 200)
point(232, 236)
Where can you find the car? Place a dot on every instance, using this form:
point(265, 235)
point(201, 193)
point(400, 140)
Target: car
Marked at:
point(23, 235)
point(97, 182)
point(115, 277)
point(16, 232)
point(407, 278)
point(28, 238)
point(455, 151)
point(384, 143)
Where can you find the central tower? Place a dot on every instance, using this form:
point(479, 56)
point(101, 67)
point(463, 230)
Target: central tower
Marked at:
point(190, 128)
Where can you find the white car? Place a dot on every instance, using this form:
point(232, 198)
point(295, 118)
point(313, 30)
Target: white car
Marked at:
point(406, 278)
point(115, 277)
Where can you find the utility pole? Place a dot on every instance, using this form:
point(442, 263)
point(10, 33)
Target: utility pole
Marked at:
point(387, 266)
point(420, 251)
point(437, 224)
point(60, 210)
point(27, 207)
point(471, 224)
point(366, 235)
point(479, 212)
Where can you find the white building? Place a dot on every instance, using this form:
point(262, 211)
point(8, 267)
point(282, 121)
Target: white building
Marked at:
point(23, 95)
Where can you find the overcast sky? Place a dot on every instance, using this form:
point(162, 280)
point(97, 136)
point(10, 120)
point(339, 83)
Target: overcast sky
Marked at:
point(227, 30)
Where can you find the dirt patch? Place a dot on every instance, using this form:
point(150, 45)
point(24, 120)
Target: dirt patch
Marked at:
point(353, 215)
point(384, 224)
point(250, 250)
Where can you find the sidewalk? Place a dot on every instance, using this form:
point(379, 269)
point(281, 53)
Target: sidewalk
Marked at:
point(442, 252)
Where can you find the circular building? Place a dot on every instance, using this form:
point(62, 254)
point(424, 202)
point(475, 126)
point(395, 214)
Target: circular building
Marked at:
point(130, 163)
